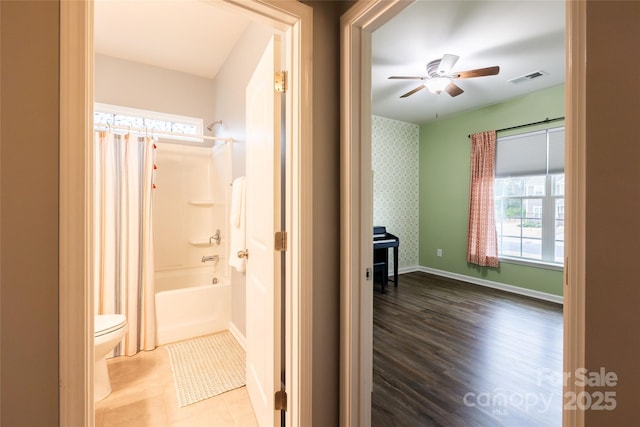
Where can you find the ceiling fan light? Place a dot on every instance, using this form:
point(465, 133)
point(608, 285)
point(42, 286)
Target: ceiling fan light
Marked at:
point(437, 84)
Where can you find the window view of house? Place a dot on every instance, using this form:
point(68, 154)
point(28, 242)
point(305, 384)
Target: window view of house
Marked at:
point(529, 196)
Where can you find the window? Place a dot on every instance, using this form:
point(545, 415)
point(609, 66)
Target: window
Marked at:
point(174, 126)
point(529, 196)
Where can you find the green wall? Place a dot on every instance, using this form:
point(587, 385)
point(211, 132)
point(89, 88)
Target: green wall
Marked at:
point(444, 188)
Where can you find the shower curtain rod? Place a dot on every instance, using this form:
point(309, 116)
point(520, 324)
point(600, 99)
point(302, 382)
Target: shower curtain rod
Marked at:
point(152, 132)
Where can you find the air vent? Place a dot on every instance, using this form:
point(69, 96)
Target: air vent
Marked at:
point(530, 76)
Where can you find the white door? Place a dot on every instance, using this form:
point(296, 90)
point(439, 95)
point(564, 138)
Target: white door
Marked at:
point(263, 275)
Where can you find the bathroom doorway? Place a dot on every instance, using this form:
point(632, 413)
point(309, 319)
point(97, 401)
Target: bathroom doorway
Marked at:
point(76, 20)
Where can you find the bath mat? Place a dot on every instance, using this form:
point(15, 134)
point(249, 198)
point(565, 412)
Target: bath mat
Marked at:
point(207, 366)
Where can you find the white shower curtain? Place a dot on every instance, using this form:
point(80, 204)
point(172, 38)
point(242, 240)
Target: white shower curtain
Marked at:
point(123, 238)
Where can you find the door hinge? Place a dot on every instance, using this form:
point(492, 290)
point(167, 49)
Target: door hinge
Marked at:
point(280, 81)
point(281, 400)
point(281, 241)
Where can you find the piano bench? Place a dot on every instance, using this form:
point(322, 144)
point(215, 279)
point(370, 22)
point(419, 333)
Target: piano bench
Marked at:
point(382, 241)
point(381, 269)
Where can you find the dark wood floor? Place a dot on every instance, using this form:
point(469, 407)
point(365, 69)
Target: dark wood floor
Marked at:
point(448, 353)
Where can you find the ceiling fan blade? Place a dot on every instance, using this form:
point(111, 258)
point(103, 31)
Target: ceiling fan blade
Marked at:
point(453, 89)
point(446, 63)
point(411, 92)
point(480, 72)
point(407, 77)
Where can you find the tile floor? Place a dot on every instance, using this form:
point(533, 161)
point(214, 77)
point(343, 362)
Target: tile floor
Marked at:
point(143, 394)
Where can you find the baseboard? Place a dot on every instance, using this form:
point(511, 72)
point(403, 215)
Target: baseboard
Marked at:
point(242, 340)
point(495, 285)
point(403, 270)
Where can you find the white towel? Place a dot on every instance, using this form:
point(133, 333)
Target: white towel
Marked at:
point(237, 216)
point(236, 201)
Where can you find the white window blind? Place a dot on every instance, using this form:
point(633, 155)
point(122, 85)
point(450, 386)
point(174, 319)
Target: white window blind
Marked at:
point(556, 151)
point(533, 153)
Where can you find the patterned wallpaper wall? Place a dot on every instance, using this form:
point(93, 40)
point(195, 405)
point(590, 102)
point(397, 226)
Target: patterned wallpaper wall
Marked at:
point(394, 156)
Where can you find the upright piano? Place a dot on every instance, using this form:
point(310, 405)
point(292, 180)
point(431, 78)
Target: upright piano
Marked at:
point(382, 241)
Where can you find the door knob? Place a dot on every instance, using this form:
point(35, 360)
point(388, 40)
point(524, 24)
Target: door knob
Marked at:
point(243, 254)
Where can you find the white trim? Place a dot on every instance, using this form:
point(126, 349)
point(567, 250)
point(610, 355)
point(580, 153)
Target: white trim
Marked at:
point(403, 270)
point(482, 282)
point(532, 263)
point(356, 207)
point(297, 19)
point(575, 203)
point(76, 300)
point(242, 340)
point(495, 285)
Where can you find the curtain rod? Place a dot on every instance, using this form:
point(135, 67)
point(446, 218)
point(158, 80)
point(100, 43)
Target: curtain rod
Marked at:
point(153, 132)
point(547, 120)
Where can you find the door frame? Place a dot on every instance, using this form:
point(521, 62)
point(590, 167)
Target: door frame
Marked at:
point(76, 315)
point(357, 25)
point(356, 208)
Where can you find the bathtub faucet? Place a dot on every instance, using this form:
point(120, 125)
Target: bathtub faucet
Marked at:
point(210, 258)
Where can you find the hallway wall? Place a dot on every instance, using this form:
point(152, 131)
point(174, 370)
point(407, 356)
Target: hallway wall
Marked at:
point(326, 210)
point(612, 207)
point(29, 108)
point(184, 173)
point(29, 49)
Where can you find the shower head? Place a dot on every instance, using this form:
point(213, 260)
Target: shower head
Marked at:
point(212, 125)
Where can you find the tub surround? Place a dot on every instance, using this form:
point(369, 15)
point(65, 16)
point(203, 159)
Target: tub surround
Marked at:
point(193, 292)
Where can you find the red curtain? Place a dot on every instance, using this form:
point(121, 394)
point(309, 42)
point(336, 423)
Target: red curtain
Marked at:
point(482, 242)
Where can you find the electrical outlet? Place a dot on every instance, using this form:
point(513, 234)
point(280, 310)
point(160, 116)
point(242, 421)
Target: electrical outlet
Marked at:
point(439, 252)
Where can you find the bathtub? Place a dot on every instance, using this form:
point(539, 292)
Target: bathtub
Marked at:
point(192, 311)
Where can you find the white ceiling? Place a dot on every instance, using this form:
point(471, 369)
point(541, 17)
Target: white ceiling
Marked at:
point(519, 36)
point(183, 35)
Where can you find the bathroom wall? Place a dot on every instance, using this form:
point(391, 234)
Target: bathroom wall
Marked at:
point(136, 85)
point(229, 93)
point(122, 82)
point(190, 198)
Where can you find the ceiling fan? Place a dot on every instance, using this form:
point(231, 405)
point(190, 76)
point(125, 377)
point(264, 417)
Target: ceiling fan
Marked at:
point(439, 76)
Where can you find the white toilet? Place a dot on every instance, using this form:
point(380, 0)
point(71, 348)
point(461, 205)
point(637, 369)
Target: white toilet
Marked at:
point(109, 331)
